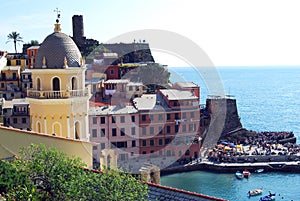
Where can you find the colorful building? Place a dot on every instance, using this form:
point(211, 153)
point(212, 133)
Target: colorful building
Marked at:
point(15, 113)
point(10, 83)
point(161, 128)
point(58, 97)
point(31, 54)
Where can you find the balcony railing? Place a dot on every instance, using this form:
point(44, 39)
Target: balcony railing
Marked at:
point(57, 94)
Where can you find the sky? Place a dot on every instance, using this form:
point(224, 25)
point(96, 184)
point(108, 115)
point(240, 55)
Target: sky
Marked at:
point(231, 32)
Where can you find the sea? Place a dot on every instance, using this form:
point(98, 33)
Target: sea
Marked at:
point(268, 99)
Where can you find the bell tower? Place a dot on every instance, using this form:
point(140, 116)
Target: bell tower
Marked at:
point(59, 100)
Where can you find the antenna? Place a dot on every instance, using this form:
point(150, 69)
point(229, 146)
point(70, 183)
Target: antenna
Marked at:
point(58, 14)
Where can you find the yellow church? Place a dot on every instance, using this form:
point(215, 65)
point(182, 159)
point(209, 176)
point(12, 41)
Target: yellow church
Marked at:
point(58, 99)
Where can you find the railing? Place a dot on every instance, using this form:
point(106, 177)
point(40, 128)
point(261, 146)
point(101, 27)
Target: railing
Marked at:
point(57, 94)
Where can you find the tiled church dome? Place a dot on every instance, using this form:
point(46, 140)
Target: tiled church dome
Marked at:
point(55, 48)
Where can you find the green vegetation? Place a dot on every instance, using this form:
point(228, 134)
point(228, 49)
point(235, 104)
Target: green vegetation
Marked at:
point(15, 37)
point(41, 173)
point(154, 76)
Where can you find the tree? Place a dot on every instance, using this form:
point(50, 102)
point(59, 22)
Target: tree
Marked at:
point(15, 37)
point(54, 176)
point(154, 76)
point(34, 42)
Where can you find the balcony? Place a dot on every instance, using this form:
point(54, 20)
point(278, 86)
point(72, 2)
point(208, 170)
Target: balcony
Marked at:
point(57, 94)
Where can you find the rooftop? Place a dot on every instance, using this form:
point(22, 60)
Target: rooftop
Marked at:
point(11, 68)
point(33, 47)
point(11, 103)
point(159, 192)
point(145, 102)
point(186, 84)
point(174, 94)
point(116, 81)
point(112, 110)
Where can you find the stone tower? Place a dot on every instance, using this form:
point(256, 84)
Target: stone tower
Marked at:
point(78, 30)
point(59, 99)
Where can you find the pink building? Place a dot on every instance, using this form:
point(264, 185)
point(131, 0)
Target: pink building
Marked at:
point(114, 127)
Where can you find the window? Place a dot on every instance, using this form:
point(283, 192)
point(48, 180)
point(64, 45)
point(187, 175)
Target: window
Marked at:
point(122, 119)
point(15, 120)
point(192, 115)
point(184, 128)
point(133, 131)
point(94, 120)
point(94, 132)
point(160, 142)
point(102, 120)
point(151, 142)
point(144, 143)
point(102, 146)
point(112, 71)
point(23, 120)
point(144, 152)
point(143, 117)
point(14, 76)
point(122, 131)
point(184, 115)
point(144, 132)
point(18, 62)
point(95, 147)
point(160, 117)
point(102, 132)
point(113, 120)
point(167, 141)
point(130, 88)
point(168, 116)
point(168, 129)
point(191, 127)
point(151, 117)
point(132, 118)
point(12, 95)
point(160, 130)
point(133, 143)
point(2, 85)
point(151, 130)
point(114, 132)
point(176, 115)
point(175, 103)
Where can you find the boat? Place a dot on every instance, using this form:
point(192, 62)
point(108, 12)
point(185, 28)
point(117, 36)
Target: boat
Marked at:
point(254, 192)
point(259, 170)
point(246, 173)
point(270, 197)
point(239, 175)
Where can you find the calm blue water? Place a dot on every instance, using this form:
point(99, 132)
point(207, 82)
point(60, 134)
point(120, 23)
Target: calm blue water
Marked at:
point(268, 99)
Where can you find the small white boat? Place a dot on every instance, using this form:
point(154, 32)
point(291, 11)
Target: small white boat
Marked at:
point(239, 175)
point(259, 170)
point(254, 192)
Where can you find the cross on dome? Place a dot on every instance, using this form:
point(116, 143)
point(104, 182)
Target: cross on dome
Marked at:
point(58, 15)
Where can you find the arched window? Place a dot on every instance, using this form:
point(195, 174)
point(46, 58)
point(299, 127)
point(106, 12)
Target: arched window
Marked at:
point(108, 162)
point(77, 131)
point(55, 84)
point(74, 83)
point(38, 127)
point(56, 129)
point(38, 84)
